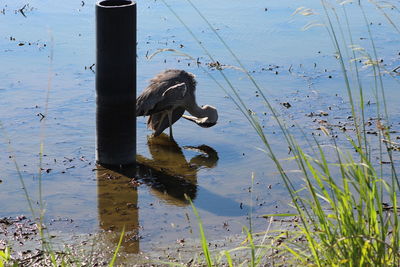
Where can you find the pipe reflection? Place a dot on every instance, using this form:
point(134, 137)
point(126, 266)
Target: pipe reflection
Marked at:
point(169, 175)
point(118, 207)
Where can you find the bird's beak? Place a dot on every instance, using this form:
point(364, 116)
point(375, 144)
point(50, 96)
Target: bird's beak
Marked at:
point(203, 122)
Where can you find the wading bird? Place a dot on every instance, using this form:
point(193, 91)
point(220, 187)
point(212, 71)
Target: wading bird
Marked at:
point(169, 94)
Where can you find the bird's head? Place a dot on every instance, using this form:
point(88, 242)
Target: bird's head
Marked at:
point(209, 119)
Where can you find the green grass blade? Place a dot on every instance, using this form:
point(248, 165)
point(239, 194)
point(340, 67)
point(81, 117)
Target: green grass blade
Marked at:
point(204, 243)
point(111, 264)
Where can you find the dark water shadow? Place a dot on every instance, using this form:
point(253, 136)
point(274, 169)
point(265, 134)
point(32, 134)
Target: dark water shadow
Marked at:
point(170, 177)
point(168, 173)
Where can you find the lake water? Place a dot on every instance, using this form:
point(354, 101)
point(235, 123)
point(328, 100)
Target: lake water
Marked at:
point(215, 165)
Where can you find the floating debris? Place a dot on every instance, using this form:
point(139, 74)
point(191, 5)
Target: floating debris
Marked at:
point(320, 114)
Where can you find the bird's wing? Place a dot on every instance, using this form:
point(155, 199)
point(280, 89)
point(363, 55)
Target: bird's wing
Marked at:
point(158, 97)
point(177, 91)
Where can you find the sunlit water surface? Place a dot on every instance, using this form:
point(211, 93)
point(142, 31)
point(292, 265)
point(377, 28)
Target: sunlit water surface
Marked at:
point(213, 166)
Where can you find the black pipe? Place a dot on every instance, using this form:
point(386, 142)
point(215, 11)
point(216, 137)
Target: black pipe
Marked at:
point(116, 82)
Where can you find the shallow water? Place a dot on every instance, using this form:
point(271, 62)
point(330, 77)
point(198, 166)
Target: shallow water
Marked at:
point(213, 166)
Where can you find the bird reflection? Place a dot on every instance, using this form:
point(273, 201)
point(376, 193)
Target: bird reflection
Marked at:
point(170, 174)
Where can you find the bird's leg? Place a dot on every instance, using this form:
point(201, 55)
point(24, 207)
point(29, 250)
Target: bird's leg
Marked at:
point(170, 124)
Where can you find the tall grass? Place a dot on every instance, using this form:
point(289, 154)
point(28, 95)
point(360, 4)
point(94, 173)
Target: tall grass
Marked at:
point(348, 205)
point(204, 243)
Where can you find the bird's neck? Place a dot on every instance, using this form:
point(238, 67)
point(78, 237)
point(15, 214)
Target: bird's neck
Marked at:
point(196, 111)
